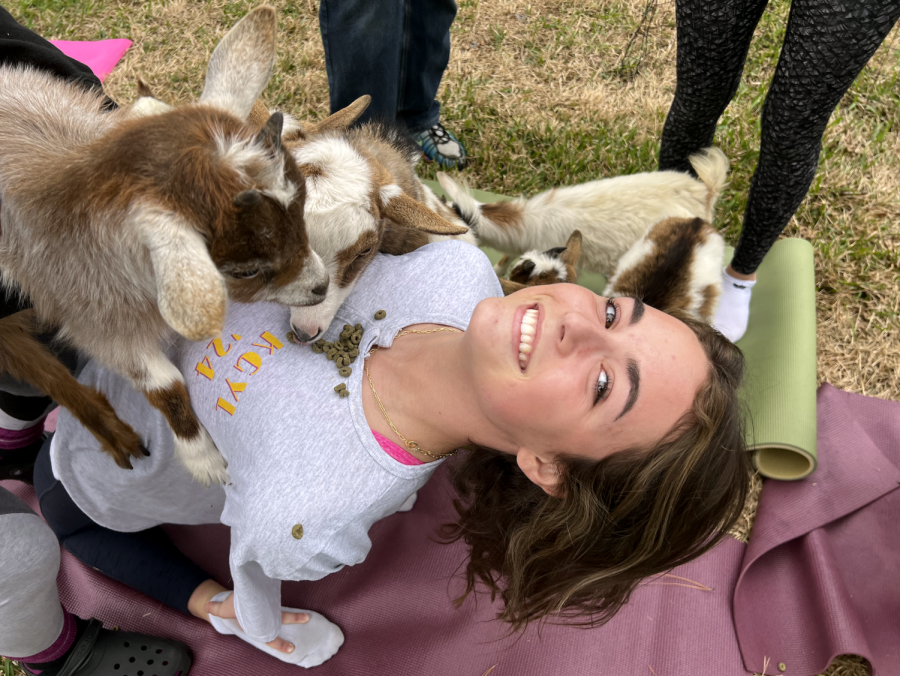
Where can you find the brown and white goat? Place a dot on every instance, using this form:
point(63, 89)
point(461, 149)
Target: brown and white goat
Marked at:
point(612, 214)
point(121, 228)
point(553, 266)
point(363, 196)
point(676, 265)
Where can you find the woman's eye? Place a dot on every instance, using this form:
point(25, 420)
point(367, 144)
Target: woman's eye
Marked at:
point(602, 386)
point(612, 310)
point(248, 274)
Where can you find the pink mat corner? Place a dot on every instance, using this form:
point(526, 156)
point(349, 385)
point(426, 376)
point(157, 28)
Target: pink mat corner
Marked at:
point(101, 56)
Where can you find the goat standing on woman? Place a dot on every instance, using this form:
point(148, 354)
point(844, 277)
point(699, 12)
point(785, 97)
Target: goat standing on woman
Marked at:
point(122, 228)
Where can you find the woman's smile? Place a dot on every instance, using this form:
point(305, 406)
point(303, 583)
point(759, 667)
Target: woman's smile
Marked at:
point(526, 332)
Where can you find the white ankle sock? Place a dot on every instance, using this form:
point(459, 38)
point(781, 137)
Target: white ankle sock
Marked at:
point(734, 307)
point(314, 642)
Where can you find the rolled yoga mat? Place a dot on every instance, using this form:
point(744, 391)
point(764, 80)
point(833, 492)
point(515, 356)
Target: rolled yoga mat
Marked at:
point(780, 348)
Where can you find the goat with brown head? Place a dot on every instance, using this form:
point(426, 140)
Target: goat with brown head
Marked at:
point(121, 227)
point(535, 268)
point(361, 192)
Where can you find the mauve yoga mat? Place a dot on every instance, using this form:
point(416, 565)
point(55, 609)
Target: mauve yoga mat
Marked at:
point(396, 612)
point(819, 578)
point(821, 575)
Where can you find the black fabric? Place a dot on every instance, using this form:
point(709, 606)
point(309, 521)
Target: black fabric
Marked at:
point(826, 45)
point(23, 408)
point(146, 560)
point(20, 46)
point(10, 504)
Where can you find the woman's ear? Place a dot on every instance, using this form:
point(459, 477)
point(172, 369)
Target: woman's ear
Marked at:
point(541, 471)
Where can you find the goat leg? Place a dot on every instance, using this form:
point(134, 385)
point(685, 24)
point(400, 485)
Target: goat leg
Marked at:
point(163, 385)
point(24, 358)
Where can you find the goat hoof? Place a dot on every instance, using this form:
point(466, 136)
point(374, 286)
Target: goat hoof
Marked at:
point(121, 442)
point(202, 459)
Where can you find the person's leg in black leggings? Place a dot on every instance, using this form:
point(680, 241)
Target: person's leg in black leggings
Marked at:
point(713, 39)
point(826, 45)
point(146, 560)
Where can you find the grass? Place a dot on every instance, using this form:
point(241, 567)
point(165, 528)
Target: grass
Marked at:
point(550, 92)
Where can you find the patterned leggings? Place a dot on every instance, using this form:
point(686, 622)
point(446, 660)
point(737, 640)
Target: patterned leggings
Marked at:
point(826, 45)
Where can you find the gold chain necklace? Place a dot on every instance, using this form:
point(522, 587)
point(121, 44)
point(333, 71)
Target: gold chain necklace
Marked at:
point(410, 444)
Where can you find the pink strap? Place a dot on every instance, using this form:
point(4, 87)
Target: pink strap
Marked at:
point(398, 453)
point(60, 646)
point(10, 440)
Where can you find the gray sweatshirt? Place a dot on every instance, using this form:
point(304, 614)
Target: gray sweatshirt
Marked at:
point(308, 479)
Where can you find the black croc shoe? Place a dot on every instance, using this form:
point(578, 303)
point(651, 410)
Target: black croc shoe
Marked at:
point(101, 652)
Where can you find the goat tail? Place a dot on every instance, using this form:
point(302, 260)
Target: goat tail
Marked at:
point(711, 165)
point(497, 224)
point(24, 358)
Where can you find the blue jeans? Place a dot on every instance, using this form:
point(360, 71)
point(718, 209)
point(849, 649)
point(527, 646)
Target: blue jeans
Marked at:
point(394, 50)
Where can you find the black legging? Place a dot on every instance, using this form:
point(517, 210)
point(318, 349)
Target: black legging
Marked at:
point(826, 45)
point(146, 560)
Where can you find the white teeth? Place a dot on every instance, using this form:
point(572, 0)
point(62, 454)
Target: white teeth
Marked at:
point(528, 330)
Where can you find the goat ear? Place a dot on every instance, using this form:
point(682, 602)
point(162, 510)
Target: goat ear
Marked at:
point(258, 116)
point(404, 210)
point(241, 63)
point(342, 119)
point(190, 291)
point(510, 287)
point(573, 250)
point(143, 89)
point(270, 134)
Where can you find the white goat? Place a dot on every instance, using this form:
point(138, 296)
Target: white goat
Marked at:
point(121, 228)
point(612, 214)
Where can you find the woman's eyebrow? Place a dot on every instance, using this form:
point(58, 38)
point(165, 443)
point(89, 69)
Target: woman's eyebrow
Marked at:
point(634, 377)
point(637, 312)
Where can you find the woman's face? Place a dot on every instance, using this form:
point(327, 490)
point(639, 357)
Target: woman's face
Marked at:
point(598, 376)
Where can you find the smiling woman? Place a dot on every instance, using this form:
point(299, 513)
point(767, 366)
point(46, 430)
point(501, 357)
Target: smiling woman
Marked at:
point(604, 446)
point(605, 442)
point(623, 455)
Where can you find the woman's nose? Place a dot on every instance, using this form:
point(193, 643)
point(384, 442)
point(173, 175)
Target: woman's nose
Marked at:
point(581, 331)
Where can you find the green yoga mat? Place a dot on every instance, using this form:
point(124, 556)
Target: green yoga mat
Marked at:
point(779, 389)
point(780, 346)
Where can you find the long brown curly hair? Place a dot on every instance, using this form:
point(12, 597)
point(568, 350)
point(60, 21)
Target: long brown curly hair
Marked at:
point(616, 521)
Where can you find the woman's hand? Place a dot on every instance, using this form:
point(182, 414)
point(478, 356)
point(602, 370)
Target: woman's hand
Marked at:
point(225, 610)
